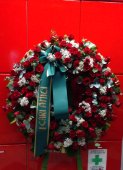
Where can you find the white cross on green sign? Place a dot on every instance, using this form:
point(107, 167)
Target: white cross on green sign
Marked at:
point(97, 160)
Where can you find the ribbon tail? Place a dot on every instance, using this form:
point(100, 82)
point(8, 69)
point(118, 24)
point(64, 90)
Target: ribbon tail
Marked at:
point(79, 161)
point(42, 115)
point(60, 99)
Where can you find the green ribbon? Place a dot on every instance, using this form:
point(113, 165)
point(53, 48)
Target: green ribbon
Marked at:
point(54, 74)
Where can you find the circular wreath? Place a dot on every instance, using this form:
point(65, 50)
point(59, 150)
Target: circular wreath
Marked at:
point(91, 86)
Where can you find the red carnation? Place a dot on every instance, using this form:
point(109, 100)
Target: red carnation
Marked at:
point(86, 81)
point(87, 50)
point(80, 133)
point(29, 95)
point(58, 55)
point(63, 44)
point(72, 134)
point(24, 90)
point(15, 95)
point(72, 118)
point(39, 68)
point(28, 75)
point(67, 60)
point(26, 64)
point(98, 58)
point(76, 63)
point(37, 48)
point(71, 37)
point(86, 66)
point(15, 83)
point(32, 84)
point(85, 124)
point(51, 146)
point(97, 67)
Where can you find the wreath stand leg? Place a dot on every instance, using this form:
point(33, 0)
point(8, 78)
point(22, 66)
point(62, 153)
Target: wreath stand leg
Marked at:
point(78, 157)
point(79, 160)
point(45, 162)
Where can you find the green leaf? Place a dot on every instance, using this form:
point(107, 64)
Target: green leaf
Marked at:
point(11, 117)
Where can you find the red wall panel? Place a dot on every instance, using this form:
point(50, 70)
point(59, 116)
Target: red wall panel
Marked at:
point(13, 157)
point(59, 15)
point(9, 134)
point(102, 23)
point(13, 41)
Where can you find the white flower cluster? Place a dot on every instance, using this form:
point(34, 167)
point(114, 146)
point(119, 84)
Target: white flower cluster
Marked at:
point(79, 121)
point(102, 112)
point(22, 82)
point(68, 142)
point(34, 79)
point(23, 101)
point(86, 106)
point(51, 57)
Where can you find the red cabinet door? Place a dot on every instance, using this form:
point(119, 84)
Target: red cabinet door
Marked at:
point(13, 157)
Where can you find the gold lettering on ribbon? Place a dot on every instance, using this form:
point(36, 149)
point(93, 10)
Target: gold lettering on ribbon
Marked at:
point(42, 104)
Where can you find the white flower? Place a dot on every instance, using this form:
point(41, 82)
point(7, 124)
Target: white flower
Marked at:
point(82, 142)
point(91, 63)
point(85, 106)
point(58, 145)
point(65, 53)
point(90, 44)
point(34, 79)
point(68, 142)
point(94, 101)
point(22, 81)
point(76, 45)
point(17, 68)
point(79, 121)
point(51, 57)
point(46, 43)
point(29, 55)
point(23, 101)
point(102, 112)
point(103, 89)
point(97, 85)
point(81, 65)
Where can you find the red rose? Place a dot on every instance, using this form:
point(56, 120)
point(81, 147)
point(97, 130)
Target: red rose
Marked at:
point(98, 58)
point(37, 48)
point(67, 60)
point(86, 81)
point(74, 51)
point(105, 99)
point(15, 83)
point(32, 84)
point(15, 95)
point(72, 118)
point(71, 37)
point(57, 136)
point(34, 58)
point(86, 66)
point(13, 73)
point(97, 67)
point(85, 124)
point(69, 45)
point(63, 44)
point(76, 63)
point(102, 81)
point(87, 50)
point(88, 114)
point(28, 75)
point(26, 64)
point(24, 90)
point(29, 95)
point(107, 73)
point(58, 55)
point(60, 38)
point(80, 133)
point(39, 68)
point(72, 134)
point(51, 146)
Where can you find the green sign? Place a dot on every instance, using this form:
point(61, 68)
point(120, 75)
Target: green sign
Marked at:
point(97, 160)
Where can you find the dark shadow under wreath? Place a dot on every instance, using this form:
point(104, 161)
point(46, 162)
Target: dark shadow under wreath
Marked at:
point(91, 89)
